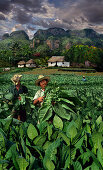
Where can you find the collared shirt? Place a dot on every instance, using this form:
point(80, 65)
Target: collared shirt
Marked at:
point(38, 94)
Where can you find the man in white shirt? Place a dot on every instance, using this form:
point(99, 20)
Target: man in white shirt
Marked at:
point(42, 81)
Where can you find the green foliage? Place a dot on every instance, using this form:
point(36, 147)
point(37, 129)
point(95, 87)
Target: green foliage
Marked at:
point(70, 133)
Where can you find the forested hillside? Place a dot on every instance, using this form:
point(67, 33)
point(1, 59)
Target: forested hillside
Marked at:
point(75, 45)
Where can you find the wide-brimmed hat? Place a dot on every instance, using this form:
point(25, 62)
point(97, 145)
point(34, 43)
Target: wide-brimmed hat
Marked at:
point(40, 78)
point(16, 78)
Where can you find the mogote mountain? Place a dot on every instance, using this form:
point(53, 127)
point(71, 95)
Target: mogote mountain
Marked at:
point(56, 37)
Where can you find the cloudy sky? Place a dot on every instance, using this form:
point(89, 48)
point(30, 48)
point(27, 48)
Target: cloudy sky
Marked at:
point(31, 15)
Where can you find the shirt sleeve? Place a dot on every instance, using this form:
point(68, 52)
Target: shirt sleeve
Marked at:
point(39, 93)
point(36, 95)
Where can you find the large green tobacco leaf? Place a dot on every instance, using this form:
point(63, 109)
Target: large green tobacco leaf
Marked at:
point(43, 115)
point(32, 132)
point(78, 122)
point(68, 159)
point(66, 107)
point(57, 122)
point(23, 99)
point(22, 163)
point(97, 139)
point(32, 161)
point(64, 137)
point(49, 129)
point(101, 127)
point(13, 154)
point(11, 151)
point(23, 146)
point(50, 154)
point(79, 143)
point(85, 157)
point(71, 131)
point(45, 146)
point(51, 151)
point(77, 165)
point(94, 158)
point(3, 164)
point(42, 127)
point(8, 122)
point(49, 165)
point(100, 156)
point(60, 111)
point(66, 101)
point(94, 166)
point(2, 140)
point(39, 140)
point(9, 96)
point(48, 114)
point(99, 120)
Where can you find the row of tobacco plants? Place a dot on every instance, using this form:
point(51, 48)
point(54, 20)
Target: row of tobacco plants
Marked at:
point(57, 136)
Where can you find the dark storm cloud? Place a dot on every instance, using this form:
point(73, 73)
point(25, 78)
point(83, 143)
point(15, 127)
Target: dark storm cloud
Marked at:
point(93, 10)
point(33, 6)
point(28, 6)
point(5, 6)
point(22, 17)
point(2, 17)
point(50, 24)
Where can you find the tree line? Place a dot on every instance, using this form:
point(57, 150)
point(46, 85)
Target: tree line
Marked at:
point(76, 53)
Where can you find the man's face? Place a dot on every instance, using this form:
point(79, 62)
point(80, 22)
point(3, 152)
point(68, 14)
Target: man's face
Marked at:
point(43, 84)
point(17, 83)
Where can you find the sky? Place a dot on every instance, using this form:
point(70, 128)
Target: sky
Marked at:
point(31, 15)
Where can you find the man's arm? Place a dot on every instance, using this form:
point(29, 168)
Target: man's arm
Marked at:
point(38, 100)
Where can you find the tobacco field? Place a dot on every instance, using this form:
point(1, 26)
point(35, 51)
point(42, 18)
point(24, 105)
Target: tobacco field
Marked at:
point(69, 135)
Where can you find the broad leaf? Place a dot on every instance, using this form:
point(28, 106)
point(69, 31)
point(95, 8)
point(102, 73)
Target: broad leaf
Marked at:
point(42, 112)
point(51, 151)
point(99, 120)
point(67, 101)
point(57, 122)
point(48, 164)
point(49, 129)
point(9, 96)
point(60, 111)
point(64, 137)
point(39, 140)
point(22, 163)
point(97, 138)
point(77, 165)
point(71, 130)
point(32, 132)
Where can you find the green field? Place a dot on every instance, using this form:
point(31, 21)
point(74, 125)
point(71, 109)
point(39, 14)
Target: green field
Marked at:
point(74, 140)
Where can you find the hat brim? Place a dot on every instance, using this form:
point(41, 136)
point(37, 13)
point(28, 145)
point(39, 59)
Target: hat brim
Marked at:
point(43, 78)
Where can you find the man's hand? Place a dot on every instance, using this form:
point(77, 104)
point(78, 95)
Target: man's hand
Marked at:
point(40, 99)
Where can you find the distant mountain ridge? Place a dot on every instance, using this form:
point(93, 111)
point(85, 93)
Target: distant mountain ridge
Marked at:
point(89, 33)
point(56, 38)
point(16, 34)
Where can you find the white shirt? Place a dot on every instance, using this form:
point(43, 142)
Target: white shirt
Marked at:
point(38, 94)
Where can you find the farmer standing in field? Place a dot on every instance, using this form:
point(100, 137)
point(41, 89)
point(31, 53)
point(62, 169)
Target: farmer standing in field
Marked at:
point(16, 90)
point(83, 79)
point(42, 81)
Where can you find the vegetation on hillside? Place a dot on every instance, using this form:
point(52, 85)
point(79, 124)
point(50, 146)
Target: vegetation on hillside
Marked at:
point(76, 46)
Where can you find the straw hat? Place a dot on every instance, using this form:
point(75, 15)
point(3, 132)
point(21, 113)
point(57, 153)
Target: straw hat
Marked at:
point(40, 78)
point(16, 78)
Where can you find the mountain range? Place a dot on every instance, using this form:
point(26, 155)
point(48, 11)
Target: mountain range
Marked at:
point(55, 38)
